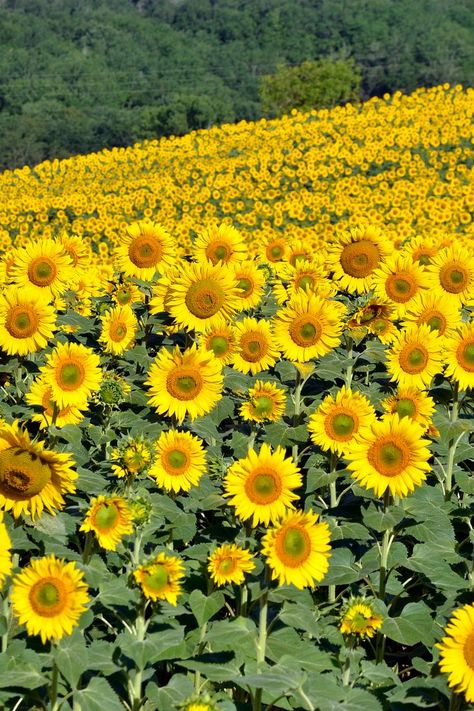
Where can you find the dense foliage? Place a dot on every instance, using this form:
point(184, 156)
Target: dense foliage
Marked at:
point(236, 464)
point(80, 76)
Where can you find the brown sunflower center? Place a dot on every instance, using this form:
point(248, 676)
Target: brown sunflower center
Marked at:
point(405, 407)
point(389, 456)
point(176, 461)
point(117, 331)
point(305, 330)
point(205, 298)
point(465, 356)
point(22, 321)
point(145, 251)
point(156, 578)
point(48, 597)
point(70, 375)
point(400, 287)
point(468, 650)
point(454, 277)
point(184, 383)
point(413, 358)
point(253, 346)
point(359, 259)
point(293, 546)
point(218, 252)
point(22, 474)
point(263, 486)
point(219, 345)
point(245, 286)
point(341, 426)
point(42, 271)
point(106, 517)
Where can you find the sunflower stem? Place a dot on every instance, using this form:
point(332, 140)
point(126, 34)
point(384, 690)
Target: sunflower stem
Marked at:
point(299, 382)
point(6, 614)
point(53, 689)
point(136, 685)
point(349, 369)
point(262, 642)
point(86, 553)
point(387, 540)
point(452, 444)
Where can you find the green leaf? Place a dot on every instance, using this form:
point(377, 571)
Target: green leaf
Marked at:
point(412, 626)
point(379, 520)
point(205, 606)
point(342, 568)
point(98, 696)
point(71, 655)
point(215, 667)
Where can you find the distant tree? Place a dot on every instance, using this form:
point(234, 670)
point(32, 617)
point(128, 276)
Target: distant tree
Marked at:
point(312, 84)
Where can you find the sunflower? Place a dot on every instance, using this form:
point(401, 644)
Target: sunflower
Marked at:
point(126, 294)
point(275, 250)
point(229, 563)
point(199, 703)
point(297, 549)
point(109, 517)
point(410, 402)
point(27, 322)
point(145, 249)
point(360, 619)
point(160, 578)
point(260, 486)
point(337, 422)
point(308, 327)
point(119, 326)
point(72, 371)
point(399, 280)
point(42, 268)
point(390, 454)
point(457, 652)
point(415, 357)
point(5, 555)
point(32, 478)
point(266, 403)
point(306, 275)
point(250, 284)
point(459, 356)
point(433, 309)
point(77, 249)
point(384, 329)
point(161, 287)
point(40, 395)
point(355, 257)
point(452, 273)
point(202, 295)
point(180, 461)
point(299, 251)
point(48, 597)
point(422, 249)
point(222, 243)
point(133, 456)
point(256, 350)
point(220, 339)
point(188, 383)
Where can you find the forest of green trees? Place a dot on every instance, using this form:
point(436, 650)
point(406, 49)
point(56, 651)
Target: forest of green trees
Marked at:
point(80, 75)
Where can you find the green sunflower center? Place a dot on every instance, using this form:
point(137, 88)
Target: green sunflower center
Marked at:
point(263, 487)
point(245, 285)
point(359, 622)
point(22, 474)
point(276, 251)
point(390, 455)
point(221, 252)
point(21, 321)
point(42, 271)
point(226, 565)
point(219, 345)
point(184, 383)
point(123, 296)
point(468, 353)
point(71, 376)
point(263, 405)
point(157, 578)
point(48, 595)
point(405, 408)
point(305, 282)
point(294, 543)
point(343, 424)
point(435, 323)
point(106, 517)
point(177, 459)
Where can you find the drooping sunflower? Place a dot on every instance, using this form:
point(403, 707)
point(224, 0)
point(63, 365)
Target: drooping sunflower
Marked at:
point(457, 652)
point(250, 283)
point(356, 255)
point(188, 383)
point(78, 249)
point(133, 456)
point(308, 327)
point(229, 563)
point(40, 395)
point(49, 597)
point(452, 273)
point(42, 268)
point(390, 454)
point(119, 326)
point(260, 486)
point(220, 339)
point(202, 295)
point(459, 356)
point(72, 371)
point(160, 578)
point(337, 422)
point(220, 243)
point(415, 357)
point(398, 280)
point(110, 519)
point(297, 549)
point(410, 402)
point(433, 309)
point(360, 619)
point(32, 478)
point(27, 322)
point(255, 347)
point(180, 461)
point(5, 555)
point(145, 249)
point(266, 403)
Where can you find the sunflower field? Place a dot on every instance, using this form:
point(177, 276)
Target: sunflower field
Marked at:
point(236, 377)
